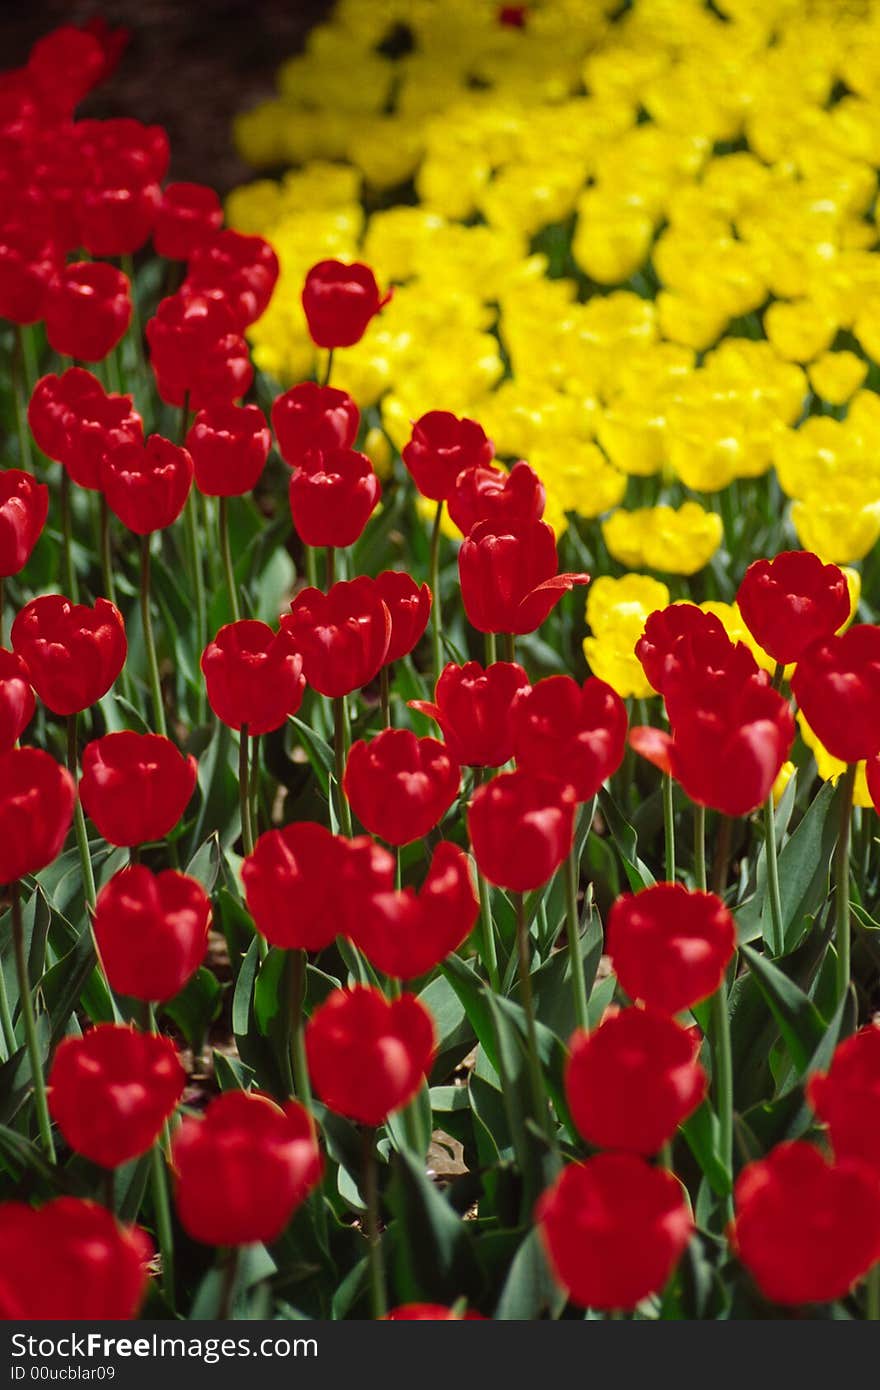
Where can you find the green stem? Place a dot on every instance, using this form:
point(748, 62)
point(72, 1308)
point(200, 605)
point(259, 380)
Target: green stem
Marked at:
point(770, 855)
point(254, 790)
point(841, 873)
point(700, 847)
point(371, 1197)
point(570, 870)
point(328, 369)
point(6, 1017)
point(331, 566)
point(536, 1076)
point(340, 750)
point(227, 1287)
point(491, 648)
point(872, 1295)
point(668, 828)
point(30, 1027)
point(67, 537)
point(149, 638)
point(311, 566)
point(244, 801)
point(722, 1056)
point(509, 641)
point(434, 578)
point(384, 696)
point(227, 559)
point(164, 1227)
point(79, 821)
point(297, 1040)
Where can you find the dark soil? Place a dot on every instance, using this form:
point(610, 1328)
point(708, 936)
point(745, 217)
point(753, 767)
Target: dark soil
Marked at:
point(190, 65)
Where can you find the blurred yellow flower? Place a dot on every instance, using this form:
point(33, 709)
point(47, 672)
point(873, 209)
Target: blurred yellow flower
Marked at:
point(672, 541)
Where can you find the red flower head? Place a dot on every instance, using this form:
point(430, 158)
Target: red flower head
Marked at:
point(508, 579)
point(244, 1168)
point(291, 883)
point(442, 446)
point(521, 828)
point(88, 309)
point(847, 1097)
point(113, 42)
point(507, 500)
point(75, 422)
point(368, 1055)
point(195, 352)
point(253, 676)
point(63, 66)
point(30, 257)
point(430, 1312)
point(188, 216)
point(682, 639)
point(135, 787)
point(410, 609)
point(24, 506)
point(309, 416)
point(806, 1229)
point(70, 1261)
point(17, 702)
point(339, 301)
point(152, 931)
point(404, 933)
point(243, 268)
point(124, 152)
point(400, 786)
point(229, 446)
point(146, 485)
point(117, 221)
point(366, 869)
point(343, 635)
point(632, 1082)
point(670, 947)
point(792, 601)
point(74, 653)
point(576, 734)
point(473, 708)
point(837, 685)
point(37, 796)
point(332, 496)
point(111, 1091)
point(726, 755)
point(614, 1229)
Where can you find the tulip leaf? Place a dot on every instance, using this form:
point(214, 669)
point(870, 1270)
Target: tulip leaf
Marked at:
point(435, 1262)
point(529, 1291)
point(626, 843)
point(804, 869)
point(799, 1021)
point(195, 1007)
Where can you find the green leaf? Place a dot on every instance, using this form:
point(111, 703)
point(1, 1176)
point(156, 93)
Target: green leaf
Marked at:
point(626, 843)
point(435, 1259)
point(530, 1291)
point(194, 1009)
point(804, 869)
point(702, 1132)
point(800, 1023)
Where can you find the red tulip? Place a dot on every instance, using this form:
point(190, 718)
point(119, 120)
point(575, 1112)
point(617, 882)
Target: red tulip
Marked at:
point(507, 500)
point(229, 446)
point(152, 931)
point(576, 734)
point(837, 685)
point(400, 786)
point(74, 653)
point(70, 1261)
point(195, 352)
point(111, 1091)
point(670, 947)
point(310, 417)
point(521, 829)
point(146, 485)
point(253, 676)
point(614, 1229)
point(792, 601)
point(291, 884)
point(806, 1229)
point(442, 445)
point(87, 310)
point(368, 1055)
point(404, 933)
point(243, 268)
point(24, 506)
point(410, 609)
point(135, 787)
point(117, 220)
point(63, 66)
point(30, 258)
point(123, 152)
point(847, 1097)
point(430, 1312)
point(632, 1082)
point(343, 635)
point(332, 496)
point(365, 870)
point(17, 702)
point(473, 708)
point(681, 640)
point(244, 1168)
point(188, 214)
point(75, 422)
point(726, 755)
point(508, 579)
point(37, 796)
point(339, 301)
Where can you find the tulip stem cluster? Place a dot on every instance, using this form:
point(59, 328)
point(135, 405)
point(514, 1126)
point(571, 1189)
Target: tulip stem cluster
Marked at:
point(340, 748)
point(778, 937)
point(668, 828)
point(378, 1296)
point(841, 906)
point(149, 637)
point(30, 1027)
point(247, 829)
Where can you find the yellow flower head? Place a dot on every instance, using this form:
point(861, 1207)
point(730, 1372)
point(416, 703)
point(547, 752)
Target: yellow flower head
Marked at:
point(663, 539)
